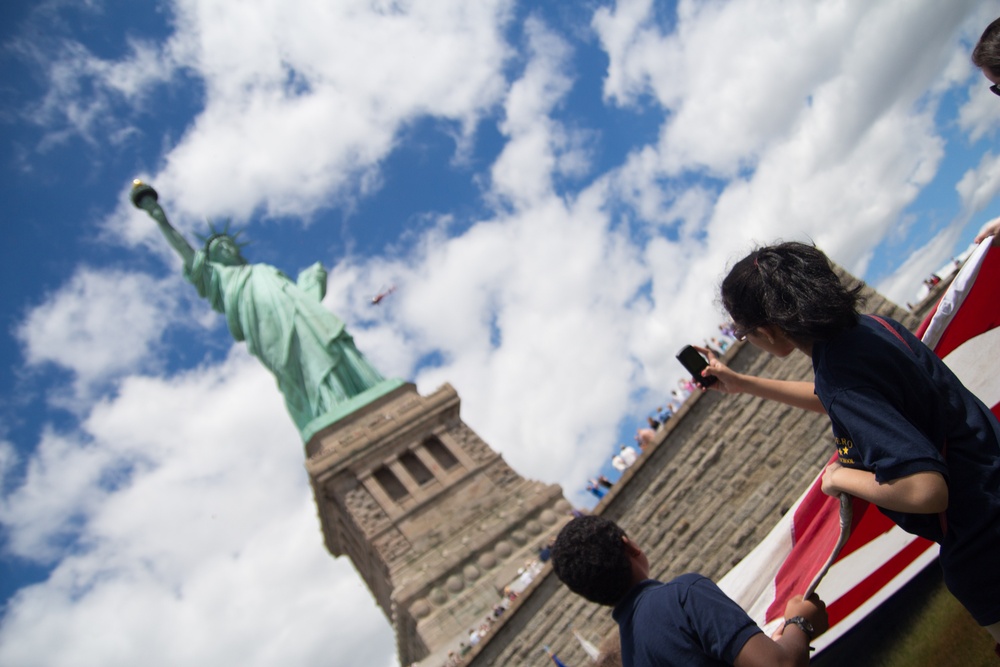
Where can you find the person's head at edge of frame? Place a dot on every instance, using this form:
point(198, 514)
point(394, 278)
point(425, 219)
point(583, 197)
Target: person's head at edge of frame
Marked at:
point(986, 55)
point(596, 560)
point(789, 292)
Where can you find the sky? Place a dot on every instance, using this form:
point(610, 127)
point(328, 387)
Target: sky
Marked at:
point(554, 189)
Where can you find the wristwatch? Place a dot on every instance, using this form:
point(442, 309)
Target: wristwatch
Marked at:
point(803, 624)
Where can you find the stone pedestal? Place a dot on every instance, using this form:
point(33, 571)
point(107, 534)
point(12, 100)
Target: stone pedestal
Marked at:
point(433, 519)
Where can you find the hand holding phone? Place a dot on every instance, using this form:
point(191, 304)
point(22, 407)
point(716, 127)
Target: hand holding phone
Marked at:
point(692, 360)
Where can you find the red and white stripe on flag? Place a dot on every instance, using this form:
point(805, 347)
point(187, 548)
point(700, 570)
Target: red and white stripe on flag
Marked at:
point(854, 556)
point(963, 329)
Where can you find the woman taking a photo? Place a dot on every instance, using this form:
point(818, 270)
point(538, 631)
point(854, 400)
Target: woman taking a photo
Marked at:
point(910, 438)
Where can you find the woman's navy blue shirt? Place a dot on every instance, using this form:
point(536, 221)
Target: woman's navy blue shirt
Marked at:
point(897, 409)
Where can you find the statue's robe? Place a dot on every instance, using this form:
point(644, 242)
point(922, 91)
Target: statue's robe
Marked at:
point(284, 325)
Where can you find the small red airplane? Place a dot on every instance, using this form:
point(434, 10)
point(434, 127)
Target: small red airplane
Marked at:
point(377, 299)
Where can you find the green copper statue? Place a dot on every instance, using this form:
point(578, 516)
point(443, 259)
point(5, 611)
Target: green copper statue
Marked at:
point(304, 345)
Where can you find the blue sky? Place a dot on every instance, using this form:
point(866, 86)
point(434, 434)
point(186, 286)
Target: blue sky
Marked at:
point(555, 189)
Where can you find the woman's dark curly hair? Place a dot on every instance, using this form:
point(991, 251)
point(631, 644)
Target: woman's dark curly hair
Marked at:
point(589, 557)
point(790, 285)
point(986, 55)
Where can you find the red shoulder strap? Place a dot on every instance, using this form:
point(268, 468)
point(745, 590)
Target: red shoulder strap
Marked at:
point(891, 330)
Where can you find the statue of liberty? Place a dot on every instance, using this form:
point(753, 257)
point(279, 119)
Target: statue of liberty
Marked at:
point(305, 346)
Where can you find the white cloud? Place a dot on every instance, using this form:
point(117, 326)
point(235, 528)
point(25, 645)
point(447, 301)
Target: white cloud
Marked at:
point(904, 285)
point(627, 34)
point(520, 325)
point(523, 172)
point(98, 325)
point(808, 109)
point(85, 93)
point(843, 205)
point(564, 320)
point(302, 102)
point(193, 522)
point(980, 116)
point(981, 185)
point(723, 109)
point(61, 488)
point(9, 458)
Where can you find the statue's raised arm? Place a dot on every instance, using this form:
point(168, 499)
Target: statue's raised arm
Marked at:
point(145, 197)
point(319, 370)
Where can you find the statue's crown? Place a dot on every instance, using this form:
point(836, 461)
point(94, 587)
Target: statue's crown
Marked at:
point(214, 234)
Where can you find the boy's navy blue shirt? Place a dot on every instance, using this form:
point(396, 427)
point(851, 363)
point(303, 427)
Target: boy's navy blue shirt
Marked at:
point(897, 409)
point(687, 622)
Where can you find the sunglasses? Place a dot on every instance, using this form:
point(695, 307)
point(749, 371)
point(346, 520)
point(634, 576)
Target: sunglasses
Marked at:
point(741, 334)
point(994, 89)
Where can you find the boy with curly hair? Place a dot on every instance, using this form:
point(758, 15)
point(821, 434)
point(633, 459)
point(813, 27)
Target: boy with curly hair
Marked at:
point(686, 622)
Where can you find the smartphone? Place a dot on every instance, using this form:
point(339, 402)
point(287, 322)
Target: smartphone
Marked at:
point(692, 360)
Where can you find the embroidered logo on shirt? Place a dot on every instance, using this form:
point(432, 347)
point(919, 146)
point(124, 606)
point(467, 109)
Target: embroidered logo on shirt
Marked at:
point(844, 447)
